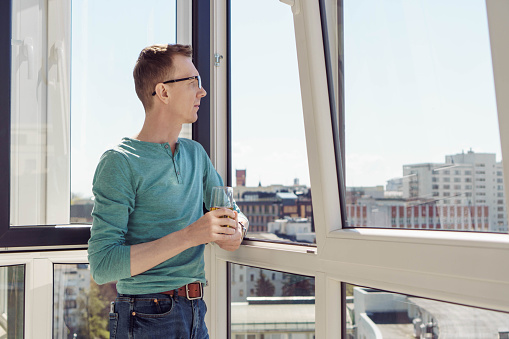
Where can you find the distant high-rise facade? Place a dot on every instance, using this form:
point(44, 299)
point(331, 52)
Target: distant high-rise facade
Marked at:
point(241, 177)
point(417, 214)
point(467, 179)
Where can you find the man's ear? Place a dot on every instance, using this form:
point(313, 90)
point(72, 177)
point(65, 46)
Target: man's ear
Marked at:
point(162, 93)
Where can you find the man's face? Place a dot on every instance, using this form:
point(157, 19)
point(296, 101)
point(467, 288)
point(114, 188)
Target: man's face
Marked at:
point(185, 96)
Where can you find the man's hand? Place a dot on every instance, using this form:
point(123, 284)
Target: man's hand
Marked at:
point(218, 225)
point(234, 241)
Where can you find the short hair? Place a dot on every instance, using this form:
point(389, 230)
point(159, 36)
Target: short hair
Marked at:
point(155, 65)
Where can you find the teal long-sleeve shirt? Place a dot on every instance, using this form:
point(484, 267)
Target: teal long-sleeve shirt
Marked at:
point(144, 192)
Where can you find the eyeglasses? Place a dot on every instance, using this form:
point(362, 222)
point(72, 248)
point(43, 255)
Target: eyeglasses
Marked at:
point(197, 77)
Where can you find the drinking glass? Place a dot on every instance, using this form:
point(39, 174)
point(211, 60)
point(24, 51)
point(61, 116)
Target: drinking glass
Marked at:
point(222, 197)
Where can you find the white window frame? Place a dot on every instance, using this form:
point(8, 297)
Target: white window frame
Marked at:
point(448, 266)
point(39, 276)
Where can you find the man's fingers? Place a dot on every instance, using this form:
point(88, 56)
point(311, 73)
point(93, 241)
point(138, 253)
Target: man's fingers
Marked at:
point(224, 212)
point(226, 222)
point(231, 243)
point(229, 231)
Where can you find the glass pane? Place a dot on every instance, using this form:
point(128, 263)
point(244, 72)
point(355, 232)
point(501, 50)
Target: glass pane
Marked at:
point(271, 304)
point(269, 159)
point(374, 313)
point(104, 105)
point(80, 306)
point(31, 122)
point(12, 301)
point(422, 137)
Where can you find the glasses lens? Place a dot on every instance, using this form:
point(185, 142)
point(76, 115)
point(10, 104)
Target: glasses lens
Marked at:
point(199, 81)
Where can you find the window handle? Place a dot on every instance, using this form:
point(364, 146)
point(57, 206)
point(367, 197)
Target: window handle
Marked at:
point(28, 52)
point(217, 59)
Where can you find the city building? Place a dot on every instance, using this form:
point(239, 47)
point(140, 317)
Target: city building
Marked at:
point(252, 282)
point(263, 205)
point(81, 210)
point(472, 182)
point(465, 193)
point(240, 175)
point(296, 229)
point(273, 318)
point(70, 298)
point(417, 214)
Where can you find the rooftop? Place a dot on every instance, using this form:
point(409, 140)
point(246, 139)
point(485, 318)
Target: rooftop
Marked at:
point(457, 321)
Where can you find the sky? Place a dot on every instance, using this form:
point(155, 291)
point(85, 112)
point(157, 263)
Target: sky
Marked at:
point(418, 82)
point(106, 43)
point(267, 122)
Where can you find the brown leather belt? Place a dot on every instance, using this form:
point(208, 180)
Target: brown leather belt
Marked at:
point(190, 291)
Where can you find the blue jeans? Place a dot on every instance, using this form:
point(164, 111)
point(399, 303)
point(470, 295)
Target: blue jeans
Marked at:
point(158, 316)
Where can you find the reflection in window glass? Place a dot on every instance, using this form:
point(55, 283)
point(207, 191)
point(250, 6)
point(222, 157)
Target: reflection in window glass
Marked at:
point(104, 105)
point(272, 305)
point(422, 137)
point(269, 159)
point(39, 106)
point(80, 306)
point(372, 313)
point(12, 301)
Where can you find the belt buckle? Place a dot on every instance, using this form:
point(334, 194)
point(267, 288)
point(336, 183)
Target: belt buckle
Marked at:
point(191, 298)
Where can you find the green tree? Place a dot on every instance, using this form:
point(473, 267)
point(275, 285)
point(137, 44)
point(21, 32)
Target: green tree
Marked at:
point(297, 285)
point(98, 312)
point(264, 287)
point(96, 307)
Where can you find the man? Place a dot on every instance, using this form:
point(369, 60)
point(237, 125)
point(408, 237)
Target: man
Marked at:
point(149, 230)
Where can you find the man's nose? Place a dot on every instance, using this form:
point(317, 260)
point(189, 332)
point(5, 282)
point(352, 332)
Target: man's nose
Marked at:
point(202, 92)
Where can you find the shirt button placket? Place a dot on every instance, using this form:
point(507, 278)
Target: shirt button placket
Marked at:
point(177, 172)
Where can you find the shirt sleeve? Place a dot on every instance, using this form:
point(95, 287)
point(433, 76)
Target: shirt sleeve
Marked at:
point(114, 201)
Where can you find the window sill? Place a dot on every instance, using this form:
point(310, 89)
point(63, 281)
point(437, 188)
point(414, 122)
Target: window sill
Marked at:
point(280, 246)
point(446, 238)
